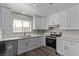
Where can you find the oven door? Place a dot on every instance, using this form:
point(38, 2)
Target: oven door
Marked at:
point(51, 42)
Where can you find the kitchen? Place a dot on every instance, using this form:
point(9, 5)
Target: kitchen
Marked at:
point(39, 29)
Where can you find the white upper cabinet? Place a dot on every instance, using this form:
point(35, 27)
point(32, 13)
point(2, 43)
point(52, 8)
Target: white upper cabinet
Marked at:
point(69, 18)
point(52, 19)
point(62, 19)
point(74, 17)
point(6, 19)
point(39, 22)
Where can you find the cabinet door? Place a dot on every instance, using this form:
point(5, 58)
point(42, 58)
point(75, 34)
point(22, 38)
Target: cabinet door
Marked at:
point(37, 42)
point(36, 22)
point(63, 47)
point(43, 23)
point(39, 22)
point(66, 48)
point(7, 21)
point(74, 17)
point(71, 48)
point(34, 43)
point(23, 45)
point(52, 19)
point(63, 19)
point(55, 18)
point(60, 46)
point(49, 20)
point(40, 41)
point(74, 49)
point(43, 41)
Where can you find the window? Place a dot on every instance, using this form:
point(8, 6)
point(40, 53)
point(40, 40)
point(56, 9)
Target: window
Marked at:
point(26, 26)
point(20, 25)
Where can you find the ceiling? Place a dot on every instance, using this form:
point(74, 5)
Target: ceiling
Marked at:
point(41, 9)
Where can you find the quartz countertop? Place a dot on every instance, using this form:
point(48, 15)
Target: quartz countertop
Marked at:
point(18, 38)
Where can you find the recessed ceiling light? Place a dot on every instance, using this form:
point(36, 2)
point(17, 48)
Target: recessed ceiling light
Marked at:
point(23, 12)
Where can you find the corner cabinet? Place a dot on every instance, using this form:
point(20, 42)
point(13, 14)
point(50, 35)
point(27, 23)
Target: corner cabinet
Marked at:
point(39, 23)
point(6, 20)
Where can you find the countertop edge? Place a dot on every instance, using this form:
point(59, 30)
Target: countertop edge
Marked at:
point(17, 38)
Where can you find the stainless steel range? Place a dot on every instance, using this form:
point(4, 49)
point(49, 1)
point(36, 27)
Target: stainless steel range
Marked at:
point(51, 39)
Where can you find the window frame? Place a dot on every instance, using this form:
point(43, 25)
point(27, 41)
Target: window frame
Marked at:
point(30, 26)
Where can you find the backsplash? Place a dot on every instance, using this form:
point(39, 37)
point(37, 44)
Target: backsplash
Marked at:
point(52, 30)
point(74, 33)
point(6, 35)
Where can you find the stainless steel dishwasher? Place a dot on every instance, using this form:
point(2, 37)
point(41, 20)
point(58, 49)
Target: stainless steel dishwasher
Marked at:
point(11, 48)
point(2, 48)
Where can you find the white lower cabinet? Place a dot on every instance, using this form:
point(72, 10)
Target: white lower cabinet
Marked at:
point(74, 49)
point(67, 48)
point(71, 48)
point(28, 44)
point(60, 46)
point(62, 16)
point(23, 45)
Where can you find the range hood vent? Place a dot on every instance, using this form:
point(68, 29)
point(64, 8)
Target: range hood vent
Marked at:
point(53, 26)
